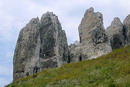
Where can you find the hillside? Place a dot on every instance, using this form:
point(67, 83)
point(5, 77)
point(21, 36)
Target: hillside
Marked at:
point(111, 70)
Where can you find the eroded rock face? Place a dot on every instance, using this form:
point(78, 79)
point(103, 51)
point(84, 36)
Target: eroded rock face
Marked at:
point(90, 22)
point(74, 52)
point(41, 44)
point(116, 33)
point(126, 23)
point(93, 39)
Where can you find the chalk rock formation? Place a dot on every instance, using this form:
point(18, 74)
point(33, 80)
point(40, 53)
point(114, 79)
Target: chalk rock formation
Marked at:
point(93, 39)
point(116, 33)
point(41, 44)
point(126, 23)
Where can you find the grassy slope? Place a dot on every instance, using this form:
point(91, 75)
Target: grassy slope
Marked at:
point(111, 70)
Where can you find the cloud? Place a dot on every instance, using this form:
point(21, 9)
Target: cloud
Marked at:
point(21, 12)
point(15, 14)
point(5, 70)
point(4, 82)
point(5, 75)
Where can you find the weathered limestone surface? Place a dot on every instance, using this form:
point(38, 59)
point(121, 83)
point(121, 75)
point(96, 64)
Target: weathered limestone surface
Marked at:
point(93, 39)
point(116, 33)
point(41, 44)
point(126, 24)
point(74, 52)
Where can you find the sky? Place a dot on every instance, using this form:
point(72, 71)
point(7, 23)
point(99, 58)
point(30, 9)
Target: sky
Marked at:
point(15, 14)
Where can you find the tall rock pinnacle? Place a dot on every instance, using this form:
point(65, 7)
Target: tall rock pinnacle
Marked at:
point(93, 39)
point(116, 33)
point(92, 35)
point(90, 22)
point(126, 23)
point(41, 44)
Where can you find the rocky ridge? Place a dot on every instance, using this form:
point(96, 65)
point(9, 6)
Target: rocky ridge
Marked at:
point(43, 43)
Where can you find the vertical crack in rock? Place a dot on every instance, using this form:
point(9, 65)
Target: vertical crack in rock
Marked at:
point(115, 33)
point(93, 39)
point(126, 23)
point(41, 44)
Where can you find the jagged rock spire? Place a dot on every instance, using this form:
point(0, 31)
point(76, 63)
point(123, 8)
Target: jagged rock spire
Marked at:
point(41, 44)
point(90, 21)
point(116, 33)
point(126, 23)
point(93, 39)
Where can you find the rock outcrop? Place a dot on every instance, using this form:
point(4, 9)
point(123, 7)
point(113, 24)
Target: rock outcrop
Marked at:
point(74, 52)
point(41, 44)
point(93, 39)
point(126, 24)
point(116, 33)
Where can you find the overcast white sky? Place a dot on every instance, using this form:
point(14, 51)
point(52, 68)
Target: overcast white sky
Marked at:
point(14, 14)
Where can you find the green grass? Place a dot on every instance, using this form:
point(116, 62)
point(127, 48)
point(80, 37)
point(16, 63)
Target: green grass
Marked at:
point(111, 70)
